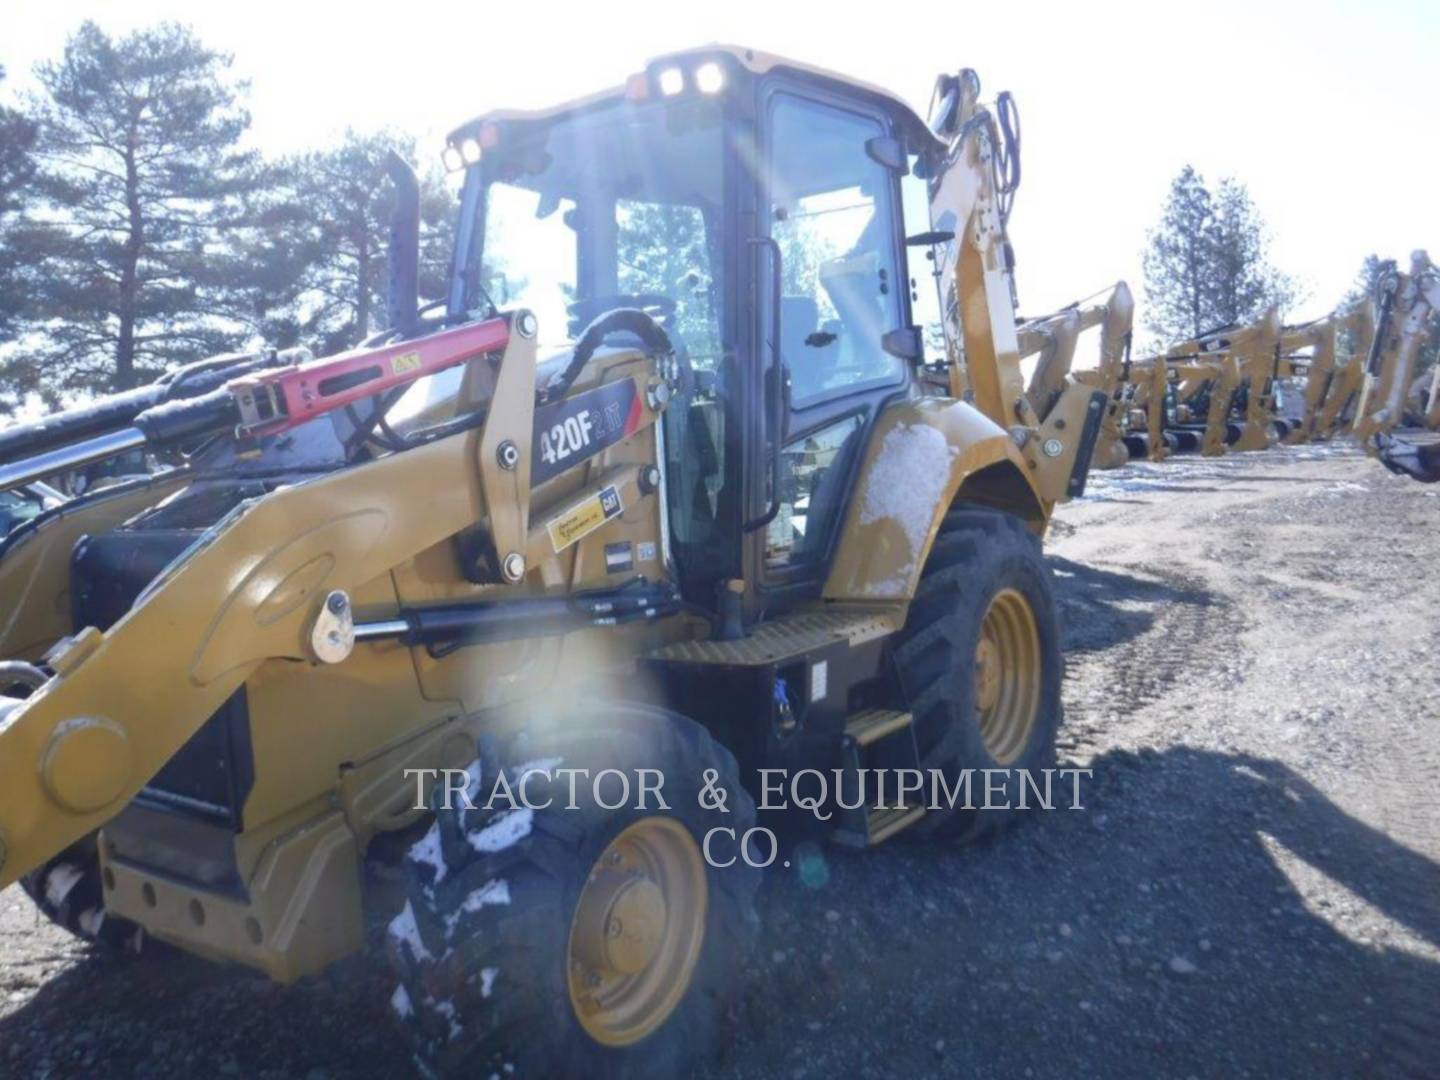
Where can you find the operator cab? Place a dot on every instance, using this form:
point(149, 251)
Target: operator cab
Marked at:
point(754, 208)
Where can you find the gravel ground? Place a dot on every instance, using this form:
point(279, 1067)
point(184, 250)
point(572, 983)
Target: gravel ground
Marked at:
point(1251, 887)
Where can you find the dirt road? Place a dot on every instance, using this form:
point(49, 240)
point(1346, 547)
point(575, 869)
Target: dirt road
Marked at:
point(1251, 888)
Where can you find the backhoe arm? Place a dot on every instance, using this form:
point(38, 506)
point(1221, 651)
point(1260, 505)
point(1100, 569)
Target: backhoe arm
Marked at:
point(1348, 376)
point(1407, 302)
point(1256, 352)
point(973, 169)
point(1056, 336)
point(1319, 337)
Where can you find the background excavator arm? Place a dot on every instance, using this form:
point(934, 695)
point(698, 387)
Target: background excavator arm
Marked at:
point(1405, 305)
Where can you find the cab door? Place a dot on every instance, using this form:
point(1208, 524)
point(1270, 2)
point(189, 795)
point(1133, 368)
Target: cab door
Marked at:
point(832, 210)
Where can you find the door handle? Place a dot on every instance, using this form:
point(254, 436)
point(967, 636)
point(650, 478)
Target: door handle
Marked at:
point(777, 416)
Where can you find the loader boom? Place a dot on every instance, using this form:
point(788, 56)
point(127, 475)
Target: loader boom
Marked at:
point(244, 597)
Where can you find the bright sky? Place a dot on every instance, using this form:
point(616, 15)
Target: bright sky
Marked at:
point(1325, 109)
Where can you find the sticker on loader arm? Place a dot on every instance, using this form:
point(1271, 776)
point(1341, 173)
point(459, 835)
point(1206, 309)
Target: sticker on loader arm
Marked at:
point(577, 428)
point(584, 518)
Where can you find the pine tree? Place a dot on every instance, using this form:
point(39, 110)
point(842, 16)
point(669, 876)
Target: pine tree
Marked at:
point(1244, 283)
point(1177, 261)
point(312, 261)
point(140, 179)
point(1207, 264)
point(17, 167)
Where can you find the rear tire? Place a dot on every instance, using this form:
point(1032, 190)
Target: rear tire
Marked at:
point(69, 891)
point(486, 946)
point(985, 604)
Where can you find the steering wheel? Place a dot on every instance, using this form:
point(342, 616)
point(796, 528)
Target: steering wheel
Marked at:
point(582, 312)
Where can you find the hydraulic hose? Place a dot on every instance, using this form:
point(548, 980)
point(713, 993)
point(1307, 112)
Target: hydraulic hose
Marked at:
point(620, 320)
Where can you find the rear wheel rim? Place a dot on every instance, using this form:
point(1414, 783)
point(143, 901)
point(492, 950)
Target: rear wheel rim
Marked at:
point(637, 931)
point(1008, 675)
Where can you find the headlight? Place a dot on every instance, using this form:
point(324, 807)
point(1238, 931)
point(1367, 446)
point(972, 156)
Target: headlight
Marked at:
point(672, 81)
point(470, 151)
point(710, 78)
point(453, 160)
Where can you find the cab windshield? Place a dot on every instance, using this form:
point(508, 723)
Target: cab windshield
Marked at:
point(621, 205)
point(616, 206)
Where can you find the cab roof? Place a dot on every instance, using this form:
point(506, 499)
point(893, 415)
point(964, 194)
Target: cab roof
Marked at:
point(752, 60)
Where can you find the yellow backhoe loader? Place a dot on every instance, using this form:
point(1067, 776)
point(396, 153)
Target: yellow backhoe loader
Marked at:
point(680, 510)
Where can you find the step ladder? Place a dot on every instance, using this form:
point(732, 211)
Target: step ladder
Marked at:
point(876, 739)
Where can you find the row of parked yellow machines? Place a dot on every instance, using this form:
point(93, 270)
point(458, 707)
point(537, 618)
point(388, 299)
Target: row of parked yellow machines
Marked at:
point(1249, 387)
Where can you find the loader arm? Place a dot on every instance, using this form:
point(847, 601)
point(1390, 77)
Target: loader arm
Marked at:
point(120, 703)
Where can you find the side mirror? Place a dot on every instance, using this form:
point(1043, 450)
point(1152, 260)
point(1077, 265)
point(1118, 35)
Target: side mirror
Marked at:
point(906, 342)
point(888, 152)
point(402, 302)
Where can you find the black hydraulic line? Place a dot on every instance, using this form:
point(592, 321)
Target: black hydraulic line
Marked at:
point(620, 320)
point(1382, 325)
point(1008, 153)
point(118, 411)
point(447, 627)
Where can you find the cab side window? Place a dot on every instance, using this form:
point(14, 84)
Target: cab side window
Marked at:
point(831, 213)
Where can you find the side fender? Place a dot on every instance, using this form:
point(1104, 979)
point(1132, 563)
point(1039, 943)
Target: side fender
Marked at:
point(922, 456)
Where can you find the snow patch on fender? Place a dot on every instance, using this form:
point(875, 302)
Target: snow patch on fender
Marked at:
point(906, 482)
point(487, 980)
point(508, 829)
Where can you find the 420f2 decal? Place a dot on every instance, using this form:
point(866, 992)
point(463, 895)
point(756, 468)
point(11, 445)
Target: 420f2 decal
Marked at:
point(567, 432)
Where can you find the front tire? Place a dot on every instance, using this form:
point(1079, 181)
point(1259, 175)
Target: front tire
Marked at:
point(69, 892)
point(980, 667)
point(579, 942)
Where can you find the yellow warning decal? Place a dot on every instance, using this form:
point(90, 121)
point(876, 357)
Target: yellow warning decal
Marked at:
point(405, 362)
point(584, 518)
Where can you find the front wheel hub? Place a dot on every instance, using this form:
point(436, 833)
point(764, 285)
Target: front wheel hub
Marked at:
point(637, 931)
